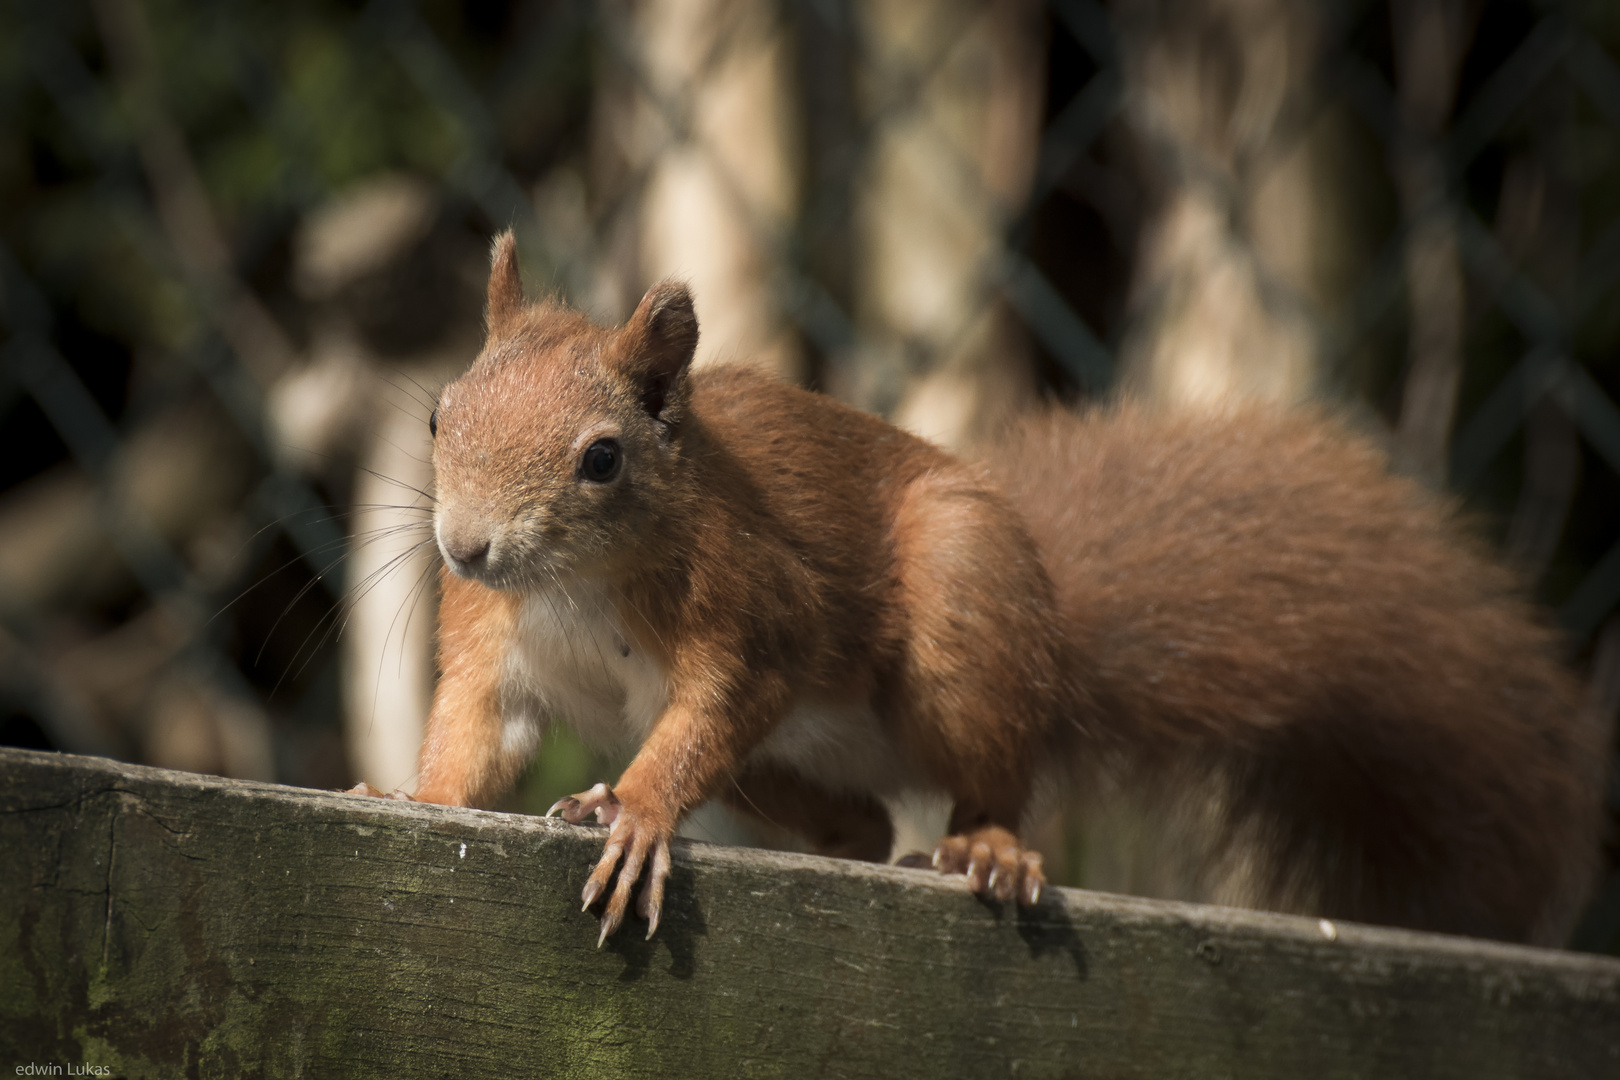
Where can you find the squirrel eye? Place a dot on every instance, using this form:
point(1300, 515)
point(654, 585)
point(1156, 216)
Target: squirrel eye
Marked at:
point(433, 423)
point(601, 461)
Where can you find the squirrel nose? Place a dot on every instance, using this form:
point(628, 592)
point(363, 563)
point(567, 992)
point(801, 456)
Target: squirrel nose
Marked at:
point(465, 542)
point(467, 549)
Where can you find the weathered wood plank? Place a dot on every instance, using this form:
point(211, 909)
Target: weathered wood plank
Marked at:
point(159, 924)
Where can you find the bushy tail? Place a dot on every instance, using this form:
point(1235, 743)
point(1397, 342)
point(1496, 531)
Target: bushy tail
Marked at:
point(1268, 627)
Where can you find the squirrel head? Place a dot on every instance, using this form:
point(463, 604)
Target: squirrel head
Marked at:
point(561, 445)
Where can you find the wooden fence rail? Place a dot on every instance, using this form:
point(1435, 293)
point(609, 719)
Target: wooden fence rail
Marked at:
point(162, 924)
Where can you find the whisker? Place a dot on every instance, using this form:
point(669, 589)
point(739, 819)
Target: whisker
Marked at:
point(368, 538)
point(297, 596)
point(364, 586)
point(385, 478)
point(376, 508)
point(763, 816)
point(404, 452)
point(642, 615)
point(424, 582)
point(431, 396)
point(337, 620)
point(412, 598)
point(265, 578)
point(320, 549)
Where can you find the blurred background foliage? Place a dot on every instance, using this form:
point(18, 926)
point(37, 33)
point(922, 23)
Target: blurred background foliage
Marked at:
point(242, 244)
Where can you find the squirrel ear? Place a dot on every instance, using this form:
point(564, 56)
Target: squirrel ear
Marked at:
point(505, 284)
point(657, 344)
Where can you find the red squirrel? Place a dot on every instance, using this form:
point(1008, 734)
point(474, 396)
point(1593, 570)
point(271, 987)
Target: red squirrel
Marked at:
point(800, 610)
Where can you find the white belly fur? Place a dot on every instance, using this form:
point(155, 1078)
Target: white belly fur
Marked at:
point(572, 661)
point(842, 747)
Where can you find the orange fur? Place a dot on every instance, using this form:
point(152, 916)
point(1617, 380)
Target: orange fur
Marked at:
point(461, 763)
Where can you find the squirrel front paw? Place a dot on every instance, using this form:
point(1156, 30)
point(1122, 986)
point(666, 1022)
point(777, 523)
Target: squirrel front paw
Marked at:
point(600, 800)
point(634, 837)
point(994, 863)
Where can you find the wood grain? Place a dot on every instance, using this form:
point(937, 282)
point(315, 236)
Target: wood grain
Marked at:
point(160, 924)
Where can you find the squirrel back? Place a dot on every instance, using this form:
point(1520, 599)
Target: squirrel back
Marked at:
point(1370, 718)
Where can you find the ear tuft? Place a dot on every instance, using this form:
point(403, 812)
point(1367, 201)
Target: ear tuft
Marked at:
point(505, 284)
point(657, 345)
point(670, 319)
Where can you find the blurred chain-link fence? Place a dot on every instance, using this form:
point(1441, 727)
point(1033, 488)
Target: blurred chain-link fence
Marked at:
point(241, 245)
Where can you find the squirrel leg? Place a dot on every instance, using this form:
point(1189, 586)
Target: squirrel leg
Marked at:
point(472, 751)
point(686, 759)
point(844, 825)
point(978, 695)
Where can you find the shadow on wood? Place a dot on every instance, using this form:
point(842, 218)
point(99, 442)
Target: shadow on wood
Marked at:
point(156, 924)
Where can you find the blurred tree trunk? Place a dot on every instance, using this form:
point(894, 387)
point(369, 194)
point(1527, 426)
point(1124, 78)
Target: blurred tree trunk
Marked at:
point(392, 590)
point(1240, 262)
point(952, 97)
point(697, 148)
point(394, 315)
point(1431, 38)
point(1538, 225)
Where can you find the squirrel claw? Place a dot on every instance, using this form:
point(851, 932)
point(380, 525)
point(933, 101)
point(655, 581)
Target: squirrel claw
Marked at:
point(639, 846)
point(610, 923)
point(599, 800)
point(994, 864)
point(650, 904)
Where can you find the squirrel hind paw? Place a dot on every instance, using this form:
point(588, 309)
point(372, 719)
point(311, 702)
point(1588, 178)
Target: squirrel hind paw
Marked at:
point(995, 864)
